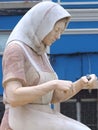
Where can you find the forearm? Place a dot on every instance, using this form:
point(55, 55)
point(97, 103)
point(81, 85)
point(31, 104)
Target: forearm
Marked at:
point(18, 95)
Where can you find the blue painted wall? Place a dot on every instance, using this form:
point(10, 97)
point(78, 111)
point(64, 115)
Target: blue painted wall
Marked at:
point(72, 67)
point(11, 0)
point(75, 55)
point(78, 4)
point(1, 89)
point(75, 43)
point(79, 1)
point(8, 22)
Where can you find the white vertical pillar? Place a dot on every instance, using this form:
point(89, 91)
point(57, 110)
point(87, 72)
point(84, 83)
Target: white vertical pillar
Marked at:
point(78, 111)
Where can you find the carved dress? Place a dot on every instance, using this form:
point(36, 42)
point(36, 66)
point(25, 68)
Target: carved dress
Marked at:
point(37, 115)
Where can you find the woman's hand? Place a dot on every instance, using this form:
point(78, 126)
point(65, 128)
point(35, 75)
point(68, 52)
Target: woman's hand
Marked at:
point(62, 91)
point(88, 81)
point(63, 85)
point(92, 80)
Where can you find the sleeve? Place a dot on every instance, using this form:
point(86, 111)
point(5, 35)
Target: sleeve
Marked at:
point(13, 65)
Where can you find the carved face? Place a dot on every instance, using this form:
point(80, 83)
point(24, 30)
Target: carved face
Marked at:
point(55, 33)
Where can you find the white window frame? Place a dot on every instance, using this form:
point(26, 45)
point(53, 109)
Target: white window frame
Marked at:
point(4, 34)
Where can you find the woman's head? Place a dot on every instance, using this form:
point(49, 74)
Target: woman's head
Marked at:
point(37, 23)
point(56, 32)
point(51, 16)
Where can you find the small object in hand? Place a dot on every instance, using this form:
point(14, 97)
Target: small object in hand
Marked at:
point(88, 77)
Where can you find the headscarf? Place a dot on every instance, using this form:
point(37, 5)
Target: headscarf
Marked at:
point(36, 24)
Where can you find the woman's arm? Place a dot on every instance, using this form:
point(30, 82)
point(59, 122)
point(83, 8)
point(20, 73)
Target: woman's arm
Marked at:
point(78, 85)
point(18, 95)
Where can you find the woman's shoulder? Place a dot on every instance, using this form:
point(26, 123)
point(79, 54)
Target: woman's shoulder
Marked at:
point(13, 49)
